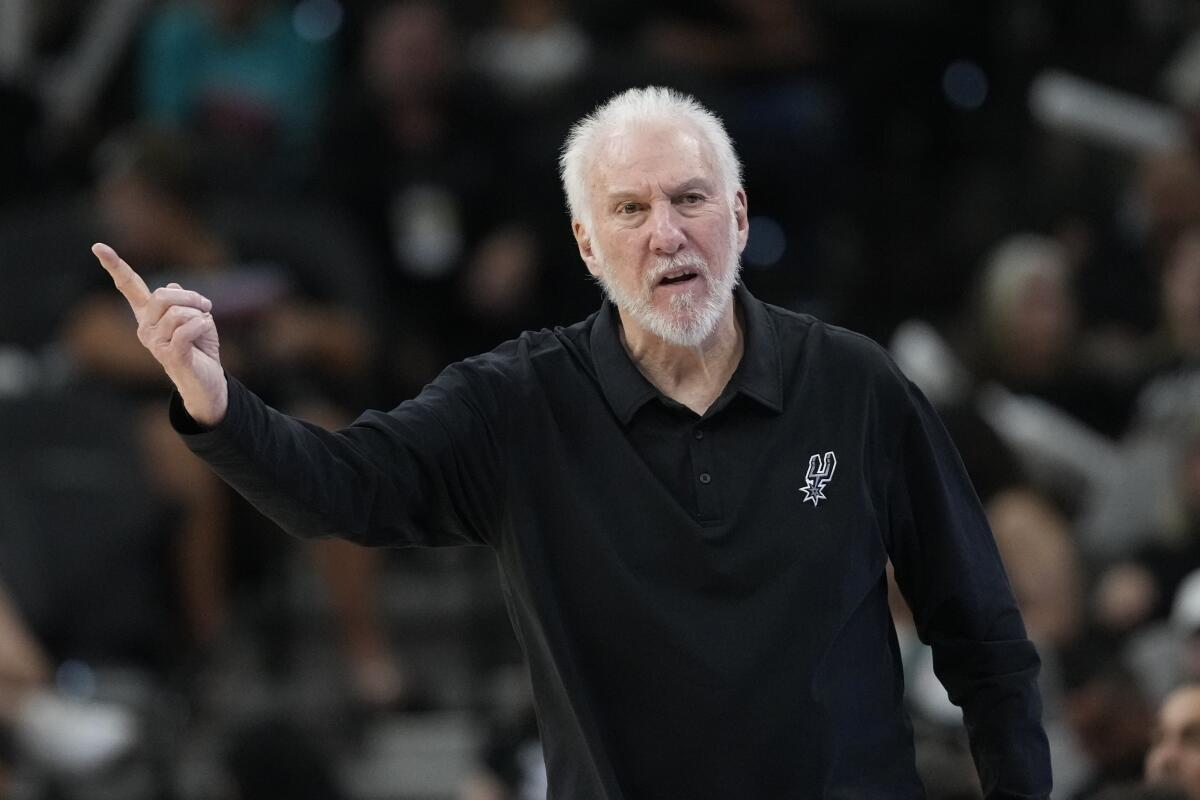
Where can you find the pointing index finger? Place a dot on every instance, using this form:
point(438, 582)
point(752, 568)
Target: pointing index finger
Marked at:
point(128, 282)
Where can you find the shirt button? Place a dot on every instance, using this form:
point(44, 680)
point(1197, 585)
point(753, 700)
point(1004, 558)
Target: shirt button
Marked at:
point(705, 478)
point(699, 434)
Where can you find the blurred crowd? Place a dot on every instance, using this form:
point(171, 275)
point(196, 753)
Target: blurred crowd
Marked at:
point(1005, 193)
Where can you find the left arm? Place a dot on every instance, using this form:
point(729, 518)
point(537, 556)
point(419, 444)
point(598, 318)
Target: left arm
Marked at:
point(949, 570)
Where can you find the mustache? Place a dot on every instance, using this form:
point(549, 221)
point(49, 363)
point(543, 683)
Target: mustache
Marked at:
point(665, 266)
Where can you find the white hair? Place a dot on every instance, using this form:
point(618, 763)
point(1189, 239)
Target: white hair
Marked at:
point(640, 106)
point(1011, 267)
point(1017, 261)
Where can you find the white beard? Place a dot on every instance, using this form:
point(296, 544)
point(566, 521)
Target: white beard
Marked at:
point(690, 321)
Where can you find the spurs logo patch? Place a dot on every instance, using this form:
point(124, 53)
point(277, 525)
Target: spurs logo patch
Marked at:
point(820, 473)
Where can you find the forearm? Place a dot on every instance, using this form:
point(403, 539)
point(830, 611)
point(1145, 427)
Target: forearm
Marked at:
point(286, 468)
point(995, 683)
point(388, 479)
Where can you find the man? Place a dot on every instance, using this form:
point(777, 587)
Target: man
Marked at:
point(692, 495)
point(1174, 755)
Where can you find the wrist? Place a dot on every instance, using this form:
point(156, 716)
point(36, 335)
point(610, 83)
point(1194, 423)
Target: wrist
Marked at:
point(208, 408)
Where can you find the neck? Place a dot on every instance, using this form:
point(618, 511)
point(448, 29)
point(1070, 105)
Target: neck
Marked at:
point(692, 376)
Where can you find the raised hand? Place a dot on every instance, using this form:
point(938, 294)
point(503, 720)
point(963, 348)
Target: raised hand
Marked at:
point(177, 327)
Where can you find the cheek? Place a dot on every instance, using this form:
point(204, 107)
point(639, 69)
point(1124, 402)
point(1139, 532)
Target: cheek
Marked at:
point(1190, 771)
point(619, 260)
point(1153, 764)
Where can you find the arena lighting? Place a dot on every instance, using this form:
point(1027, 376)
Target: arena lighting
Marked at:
point(317, 20)
point(1069, 104)
point(76, 679)
point(965, 85)
point(766, 245)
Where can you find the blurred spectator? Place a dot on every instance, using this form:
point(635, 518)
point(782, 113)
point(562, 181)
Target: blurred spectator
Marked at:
point(1111, 719)
point(1027, 313)
point(1043, 566)
point(1170, 188)
point(1028, 329)
point(415, 151)
point(1174, 755)
point(292, 328)
point(533, 50)
point(1135, 591)
point(1141, 503)
point(249, 77)
point(69, 735)
point(1185, 623)
point(1015, 368)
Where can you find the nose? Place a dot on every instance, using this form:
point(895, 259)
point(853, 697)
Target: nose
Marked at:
point(666, 231)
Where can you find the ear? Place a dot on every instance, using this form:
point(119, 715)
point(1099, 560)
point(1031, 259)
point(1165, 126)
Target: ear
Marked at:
point(741, 212)
point(583, 240)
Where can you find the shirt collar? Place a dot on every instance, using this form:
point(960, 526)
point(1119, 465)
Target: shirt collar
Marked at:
point(758, 376)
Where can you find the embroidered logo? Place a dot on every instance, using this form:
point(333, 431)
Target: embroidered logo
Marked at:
point(820, 473)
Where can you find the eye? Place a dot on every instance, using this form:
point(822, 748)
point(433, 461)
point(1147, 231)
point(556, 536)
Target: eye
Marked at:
point(628, 208)
point(692, 199)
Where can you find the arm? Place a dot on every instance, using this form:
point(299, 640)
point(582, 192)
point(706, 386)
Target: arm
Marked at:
point(949, 570)
point(429, 472)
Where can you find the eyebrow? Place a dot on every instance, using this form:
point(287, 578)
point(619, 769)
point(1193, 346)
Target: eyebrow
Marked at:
point(703, 184)
point(694, 183)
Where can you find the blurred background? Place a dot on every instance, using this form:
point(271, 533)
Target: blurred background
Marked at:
point(1005, 193)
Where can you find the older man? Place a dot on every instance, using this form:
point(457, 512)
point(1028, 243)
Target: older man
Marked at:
point(692, 495)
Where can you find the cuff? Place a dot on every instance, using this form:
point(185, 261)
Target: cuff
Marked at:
point(183, 422)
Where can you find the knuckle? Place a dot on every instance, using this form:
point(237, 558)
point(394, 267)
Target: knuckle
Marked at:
point(178, 315)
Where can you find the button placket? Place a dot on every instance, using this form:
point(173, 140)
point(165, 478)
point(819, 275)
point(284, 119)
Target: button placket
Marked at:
point(707, 506)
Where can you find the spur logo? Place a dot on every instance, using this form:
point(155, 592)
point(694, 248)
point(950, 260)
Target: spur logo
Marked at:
point(820, 473)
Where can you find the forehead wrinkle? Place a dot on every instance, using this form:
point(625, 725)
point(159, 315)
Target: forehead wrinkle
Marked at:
point(638, 149)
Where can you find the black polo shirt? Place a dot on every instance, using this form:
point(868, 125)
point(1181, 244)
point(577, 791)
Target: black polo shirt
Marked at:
point(702, 599)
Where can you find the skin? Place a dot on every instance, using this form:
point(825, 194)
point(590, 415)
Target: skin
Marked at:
point(1174, 755)
point(655, 193)
point(176, 326)
point(23, 665)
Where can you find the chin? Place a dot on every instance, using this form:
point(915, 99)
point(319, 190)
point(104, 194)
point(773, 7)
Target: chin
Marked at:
point(689, 330)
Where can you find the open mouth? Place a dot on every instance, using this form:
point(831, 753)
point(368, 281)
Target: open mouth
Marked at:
point(683, 276)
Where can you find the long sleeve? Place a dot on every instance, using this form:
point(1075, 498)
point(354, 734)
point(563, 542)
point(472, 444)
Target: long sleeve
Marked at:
point(430, 472)
point(949, 570)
